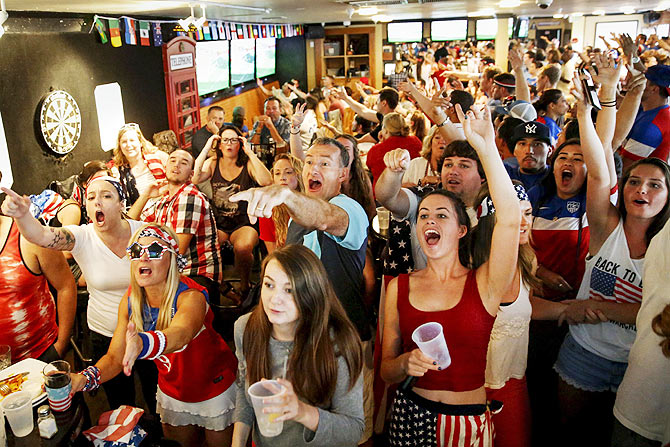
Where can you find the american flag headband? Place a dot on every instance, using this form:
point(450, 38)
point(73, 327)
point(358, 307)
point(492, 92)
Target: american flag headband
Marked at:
point(113, 181)
point(486, 208)
point(165, 237)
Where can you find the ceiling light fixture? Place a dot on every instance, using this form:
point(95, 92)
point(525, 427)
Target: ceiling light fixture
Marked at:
point(185, 24)
point(246, 8)
point(380, 18)
point(482, 13)
point(509, 3)
point(367, 11)
point(199, 22)
point(3, 17)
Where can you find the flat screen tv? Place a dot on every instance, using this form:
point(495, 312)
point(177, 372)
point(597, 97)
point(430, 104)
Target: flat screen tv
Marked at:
point(400, 32)
point(212, 66)
point(523, 28)
point(242, 60)
point(442, 30)
point(486, 29)
point(266, 52)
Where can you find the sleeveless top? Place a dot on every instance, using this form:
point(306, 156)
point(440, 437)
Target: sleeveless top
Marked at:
point(467, 330)
point(611, 275)
point(202, 369)
point(508, 348)
point(230, 215)
point(28, 321)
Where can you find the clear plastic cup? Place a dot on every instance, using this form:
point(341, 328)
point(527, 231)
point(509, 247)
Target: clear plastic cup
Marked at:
point(384, 217)
point(429, 337)
point(58, 385)
point(18, 408)
point(266, 421)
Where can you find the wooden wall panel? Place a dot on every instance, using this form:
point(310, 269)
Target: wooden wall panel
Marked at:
point(251, 100)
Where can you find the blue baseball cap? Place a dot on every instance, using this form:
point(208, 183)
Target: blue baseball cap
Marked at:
point(659, 75)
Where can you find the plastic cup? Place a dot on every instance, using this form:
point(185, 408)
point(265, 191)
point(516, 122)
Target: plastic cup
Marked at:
point(58, 385)
point(19, 411)
point(266, 421)
point(429, 337)
point(384, 217)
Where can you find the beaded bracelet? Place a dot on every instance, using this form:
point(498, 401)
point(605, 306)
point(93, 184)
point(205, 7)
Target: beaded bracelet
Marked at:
point(153, 344)
point(92, 374)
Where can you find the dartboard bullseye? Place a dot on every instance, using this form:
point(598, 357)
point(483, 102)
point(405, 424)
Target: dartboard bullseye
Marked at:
point(60, 122)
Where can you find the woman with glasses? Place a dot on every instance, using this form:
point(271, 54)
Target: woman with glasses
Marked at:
point(136, 162)
point(165, 317)
point(100, 250)
point(232, 166)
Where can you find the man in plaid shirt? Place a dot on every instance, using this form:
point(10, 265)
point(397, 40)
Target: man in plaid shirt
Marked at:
point(184, 208)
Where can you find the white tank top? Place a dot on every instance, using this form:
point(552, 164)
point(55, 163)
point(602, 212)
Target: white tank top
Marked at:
point(610, 275)
point(508, 347)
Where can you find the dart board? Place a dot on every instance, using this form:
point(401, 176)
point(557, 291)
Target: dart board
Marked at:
point(60, 121)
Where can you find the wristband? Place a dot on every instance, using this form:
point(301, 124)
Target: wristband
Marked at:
point(153, 344)
point(443, 123)
point(295, 133)
point(92, 374)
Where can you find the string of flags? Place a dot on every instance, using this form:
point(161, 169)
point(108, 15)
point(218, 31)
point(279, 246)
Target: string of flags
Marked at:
point(122, 30)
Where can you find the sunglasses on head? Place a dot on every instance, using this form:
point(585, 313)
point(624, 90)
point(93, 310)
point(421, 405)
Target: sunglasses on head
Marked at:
point(153, 250)
point(131, 126)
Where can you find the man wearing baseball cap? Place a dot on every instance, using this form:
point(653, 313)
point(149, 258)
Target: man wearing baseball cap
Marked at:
point(650, 135)
point(532, 146)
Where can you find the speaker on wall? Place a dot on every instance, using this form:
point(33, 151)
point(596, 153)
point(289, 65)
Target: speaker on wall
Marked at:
point(315, 32)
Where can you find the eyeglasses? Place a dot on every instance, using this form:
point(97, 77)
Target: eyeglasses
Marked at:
point(230, 140)
point(153, 250)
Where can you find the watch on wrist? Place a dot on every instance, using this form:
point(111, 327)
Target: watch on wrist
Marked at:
point(634, 59)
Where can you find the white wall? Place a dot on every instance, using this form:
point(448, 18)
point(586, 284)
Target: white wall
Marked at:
point(584, 28)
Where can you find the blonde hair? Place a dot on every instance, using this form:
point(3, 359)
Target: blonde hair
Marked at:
point(395, 124)
point(147, 147)
point(138, 297)
point(427, 147)
point(280, 214)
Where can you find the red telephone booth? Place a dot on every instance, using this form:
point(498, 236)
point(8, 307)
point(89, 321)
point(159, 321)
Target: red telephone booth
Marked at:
point(181, 87)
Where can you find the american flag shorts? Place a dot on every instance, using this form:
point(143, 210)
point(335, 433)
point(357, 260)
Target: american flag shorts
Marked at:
point(416, 421)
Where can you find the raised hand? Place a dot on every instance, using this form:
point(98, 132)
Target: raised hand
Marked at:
point(478, 128)
point(608, 71)
point(515, 59)
point(628, 45)
point(637, 82)
point(15, 205)
point(298, 115)
point(397, 160)
point(133, 348)
point(579, 93)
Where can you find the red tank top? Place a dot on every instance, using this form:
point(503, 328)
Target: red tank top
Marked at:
point(467, 330)
point(28, 320)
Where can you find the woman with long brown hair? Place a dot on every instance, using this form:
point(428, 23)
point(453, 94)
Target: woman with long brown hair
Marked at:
point(300, 334)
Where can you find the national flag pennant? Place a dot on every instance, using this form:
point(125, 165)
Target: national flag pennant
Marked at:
point(264, 31)
point(233, 30)
point(605, 285)
point(144, 33)
point(115, 32)
point(158, 34)
point(273, 31)
point(131, 36)
point(214, 30)
point(250, 31)
point(226, 30)
point(240, 31)
point(101, 29)
point(198, 33)
point(206, 35)
point(256, 34)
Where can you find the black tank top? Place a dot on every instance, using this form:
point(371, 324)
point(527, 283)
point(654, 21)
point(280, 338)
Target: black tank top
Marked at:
point(230, 215)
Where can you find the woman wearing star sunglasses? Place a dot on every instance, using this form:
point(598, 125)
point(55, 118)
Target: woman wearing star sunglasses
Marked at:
point(165, 317)
point(100, 250)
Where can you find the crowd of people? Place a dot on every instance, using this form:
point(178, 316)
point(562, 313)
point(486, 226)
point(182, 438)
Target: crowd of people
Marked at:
point(529, 213)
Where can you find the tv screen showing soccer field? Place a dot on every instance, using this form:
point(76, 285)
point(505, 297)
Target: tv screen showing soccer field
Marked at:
point(266, 52)
point(212, 69)
point(242, 60)
point(441, 30)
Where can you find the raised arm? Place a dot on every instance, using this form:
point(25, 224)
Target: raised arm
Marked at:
point(256, 167)
point(18, 207)
point(602, 215)
point(498, 273)
point(296, 121)
point(625, 117)
point(388, 189)
point(259, 83)
point(608, 78)
point(521, 86)
point(203, 167)
point(357, 107)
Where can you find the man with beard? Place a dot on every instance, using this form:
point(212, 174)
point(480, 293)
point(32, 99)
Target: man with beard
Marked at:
point(532, 146)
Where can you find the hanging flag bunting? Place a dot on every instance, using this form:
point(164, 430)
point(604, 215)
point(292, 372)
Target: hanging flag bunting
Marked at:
point(250, 31)
point(273, 31)
point(131, 36)
point(256, 33)
point(114, 32)
point(245, 31)
point(227, 30)
point(214, 30)
point(101, 29)
point(144, 33)
point(205, 31)
point(198, 33)
point(158, 34)
point(222, 31)
point(240, 31)
point(264, 31)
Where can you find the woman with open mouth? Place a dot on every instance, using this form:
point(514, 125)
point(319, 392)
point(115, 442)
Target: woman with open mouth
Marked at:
point(165, 317)
point(100, 250)
point(593, 358)
point(434, 398)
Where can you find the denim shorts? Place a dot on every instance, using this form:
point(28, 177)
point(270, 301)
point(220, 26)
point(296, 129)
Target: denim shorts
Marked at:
point(587, 371)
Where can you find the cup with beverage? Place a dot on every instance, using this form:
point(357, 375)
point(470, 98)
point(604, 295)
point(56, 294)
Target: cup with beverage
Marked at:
point(58, 385)
point(429, 337)
point(384, 218)
point(5, 356)
point(18, 407)
point(266, 421)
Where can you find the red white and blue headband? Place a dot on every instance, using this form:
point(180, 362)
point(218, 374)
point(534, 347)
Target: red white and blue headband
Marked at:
point(486, 208)
point(114, 182)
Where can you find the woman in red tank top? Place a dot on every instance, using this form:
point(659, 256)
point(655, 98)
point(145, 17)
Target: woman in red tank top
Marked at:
point(464, 301)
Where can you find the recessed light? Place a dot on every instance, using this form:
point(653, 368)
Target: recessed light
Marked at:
point(368, 11)
point(509, 3)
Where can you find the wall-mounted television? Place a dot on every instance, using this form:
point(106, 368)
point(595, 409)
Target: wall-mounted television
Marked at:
point(522, 32)
point(400, 32)
point(486, 29)
point(606, 28)
point(266, 53)
point(242, 60)
point(212, 66)
point(441, 30)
